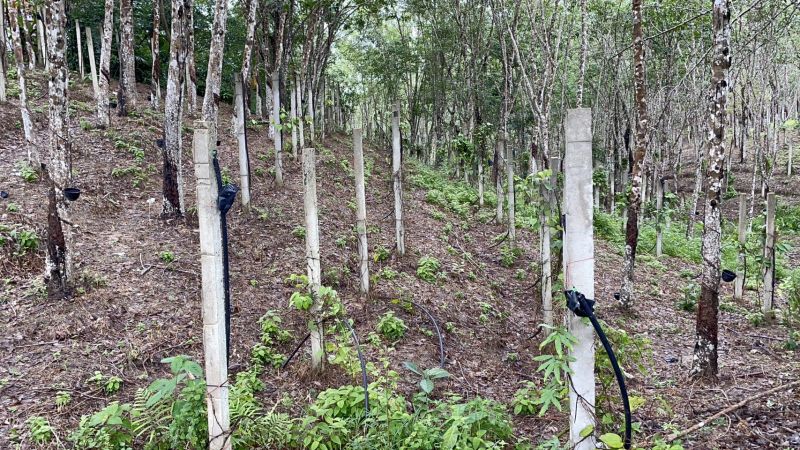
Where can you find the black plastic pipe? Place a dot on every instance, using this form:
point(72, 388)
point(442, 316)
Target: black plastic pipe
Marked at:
point(583, 307)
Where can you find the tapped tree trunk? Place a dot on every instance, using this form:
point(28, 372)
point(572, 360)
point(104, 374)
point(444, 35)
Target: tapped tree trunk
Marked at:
point(92, 63)
point(59, 271)
point(214, 73)
point(173, 114)
point(239, 118)
point(128, 59)
point(104, 75)
point(498, 181)
point(252, 7)
point(637, 173)
point(512, 226)
point(19, 55)
point(704, 364)
point(299, 89)
point(155, 50)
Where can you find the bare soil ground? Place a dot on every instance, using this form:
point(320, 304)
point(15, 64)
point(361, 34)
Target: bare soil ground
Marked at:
point(138, 309)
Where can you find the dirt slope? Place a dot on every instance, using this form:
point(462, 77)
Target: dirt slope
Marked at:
point(138, 309)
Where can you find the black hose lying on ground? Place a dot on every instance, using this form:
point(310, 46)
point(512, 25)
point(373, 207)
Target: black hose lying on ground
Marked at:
point(438, 332)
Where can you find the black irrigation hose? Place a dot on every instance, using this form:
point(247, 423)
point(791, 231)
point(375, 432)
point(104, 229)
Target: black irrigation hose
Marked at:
point(438, 332)
point(582, 307)
point(362, 361)
point(296, 349)
point(225, 198)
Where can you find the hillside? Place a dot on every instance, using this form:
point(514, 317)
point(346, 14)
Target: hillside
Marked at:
point(140, 301)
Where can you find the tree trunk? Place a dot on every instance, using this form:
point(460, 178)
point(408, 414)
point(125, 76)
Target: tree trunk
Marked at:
point(103, 117)
point(637, 173)
point(769, 258)
point(191, 67)
point(704, 364)
point(252, 7)
point(59, 271)
point(3, 44)
point(738, 289)
point(292, 121)
point(42, 42)
point(27, 125)
point(498, 181)
point(127, 57)
point(173, 205)
point(155, 50)
point(214, 73)
point(397, 177)
point(310, 102)
point(312, 256)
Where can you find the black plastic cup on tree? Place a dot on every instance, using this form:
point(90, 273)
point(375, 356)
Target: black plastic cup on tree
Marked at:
point(72, 193)
point(728, 276)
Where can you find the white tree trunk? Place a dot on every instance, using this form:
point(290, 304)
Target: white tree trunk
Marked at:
point(79, 47)
point(241, 139)
point(498, 158)
point(397, 177)
point(769, 257)
point(104, 73)
point(312, 255)
point(789, 165)
point(361, 211)
point(579, 269)
point(276, 119)
point(214, 72)
point(27, 125)
point(738, 288)
point(59, 260)
point(213, 290)
point(252, 8)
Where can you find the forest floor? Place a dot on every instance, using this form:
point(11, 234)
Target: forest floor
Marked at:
point(138, 305)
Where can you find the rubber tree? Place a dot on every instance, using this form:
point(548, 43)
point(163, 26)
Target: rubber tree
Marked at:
point(3, 97)
point(59, 270)
point(704, 364)
point(127, 82)
point(191, 68)
point(155, 47)
point(172, 188)
point(103, 116)
point(19, 56)
point(637, 167)
point(361, 212)
point(214, 73)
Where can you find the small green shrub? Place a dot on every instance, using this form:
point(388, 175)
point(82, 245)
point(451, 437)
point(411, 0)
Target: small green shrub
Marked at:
point(166, 256)
point(391, 327)
point(40, 430)
point(299, 232)
point(508, 255)
point(428, 269)
point(380, 254)
point(526, 400)
point(27, 172)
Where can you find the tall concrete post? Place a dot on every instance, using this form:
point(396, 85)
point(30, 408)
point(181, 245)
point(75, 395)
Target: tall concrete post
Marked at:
point(241, 138)
point(769, 257)
point(92, 64)
point(738, 287)
point(213, 291)
point(579, 269)
point(361, 211)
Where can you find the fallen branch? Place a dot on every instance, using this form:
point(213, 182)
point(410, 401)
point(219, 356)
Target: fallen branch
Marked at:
point(729, 409)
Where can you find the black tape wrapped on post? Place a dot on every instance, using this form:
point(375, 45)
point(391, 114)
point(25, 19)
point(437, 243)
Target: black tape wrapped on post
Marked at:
point(584, 307)
point(225, 199)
